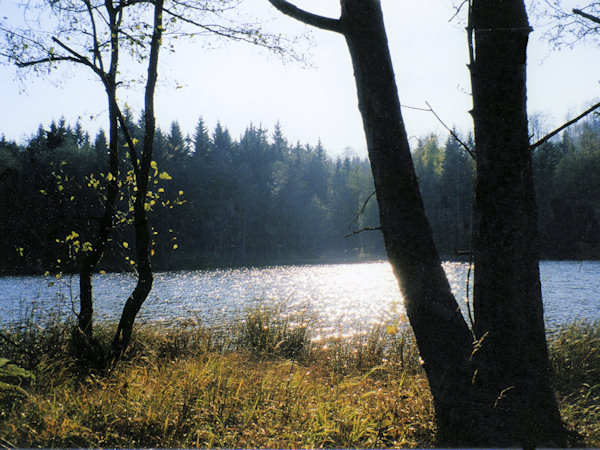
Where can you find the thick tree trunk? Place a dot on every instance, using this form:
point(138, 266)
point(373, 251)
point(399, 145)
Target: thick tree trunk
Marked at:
point(494, 391)
point(444, 339)
point(512, 361)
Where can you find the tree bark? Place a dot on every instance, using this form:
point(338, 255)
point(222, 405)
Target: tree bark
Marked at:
point(442, 334)
point(512, 360)
point(142, 172)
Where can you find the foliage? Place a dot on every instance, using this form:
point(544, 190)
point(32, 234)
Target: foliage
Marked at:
point(262, 200)
point(12, 377)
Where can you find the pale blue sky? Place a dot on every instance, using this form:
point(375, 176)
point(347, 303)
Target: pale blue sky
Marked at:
point(237, 84)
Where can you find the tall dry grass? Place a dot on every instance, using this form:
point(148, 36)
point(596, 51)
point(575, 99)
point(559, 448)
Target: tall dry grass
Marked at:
point(262, 382)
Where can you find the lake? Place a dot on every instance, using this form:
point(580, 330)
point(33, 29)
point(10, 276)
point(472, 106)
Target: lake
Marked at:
point(341, 298)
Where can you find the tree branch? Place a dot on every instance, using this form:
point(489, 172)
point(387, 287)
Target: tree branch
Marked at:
point(364, 206)
point(562, 127)
point(81, 59)
point(586, 15)
point(97, 54)
point(133, 156)
point(457, 10)
point(362, 229)
point(293, 11)
point(452, 133)
point(34, 62)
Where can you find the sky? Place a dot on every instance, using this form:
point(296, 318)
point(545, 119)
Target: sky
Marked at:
point(240, 85)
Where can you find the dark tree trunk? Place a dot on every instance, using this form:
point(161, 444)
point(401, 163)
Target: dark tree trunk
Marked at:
point(87, 347)
point(442, 334)
point(493, 391)
point(92, 259)
point(142, 172)
point(512, 362)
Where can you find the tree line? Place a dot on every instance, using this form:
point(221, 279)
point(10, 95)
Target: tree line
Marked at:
point(566, 171)
point(260, 199)
point(214, 200)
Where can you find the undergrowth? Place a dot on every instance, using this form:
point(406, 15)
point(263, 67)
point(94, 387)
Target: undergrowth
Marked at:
point(261, 381)
point(575, 358)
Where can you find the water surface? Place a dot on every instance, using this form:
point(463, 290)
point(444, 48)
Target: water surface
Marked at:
point(342, 297)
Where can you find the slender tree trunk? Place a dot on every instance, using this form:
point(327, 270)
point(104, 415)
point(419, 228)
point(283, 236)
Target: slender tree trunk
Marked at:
point(512, 361)
point(142, 172)
point(86, 346)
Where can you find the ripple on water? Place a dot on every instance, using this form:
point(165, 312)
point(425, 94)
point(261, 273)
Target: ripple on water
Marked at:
point(342, 297)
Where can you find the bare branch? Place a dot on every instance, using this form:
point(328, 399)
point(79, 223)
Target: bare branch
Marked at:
point(97, 54)
point(416, 108)
point(364, 206)
point(452, 133)
point(458, 9)
point(362, 229)
point(49, 59)
point(586, 15)
point(293, 11)
point(562, 127)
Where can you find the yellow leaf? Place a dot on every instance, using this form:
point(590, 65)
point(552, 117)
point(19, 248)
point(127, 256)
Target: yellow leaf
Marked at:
point(110, 177)
point(152, 252)
point(135, 141)
point(125, 244)
point(161, 190)
point(165, 176)
point(103, 272)
point(175, 247)
point(154, 165)
point(391, 329)
point(180, 192)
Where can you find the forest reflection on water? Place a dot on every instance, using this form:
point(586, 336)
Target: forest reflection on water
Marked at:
point(341, 298)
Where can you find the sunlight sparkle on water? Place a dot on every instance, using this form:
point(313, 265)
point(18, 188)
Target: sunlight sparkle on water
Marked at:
point(341, 299)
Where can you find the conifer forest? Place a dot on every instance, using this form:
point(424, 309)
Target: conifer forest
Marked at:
point(218, 200)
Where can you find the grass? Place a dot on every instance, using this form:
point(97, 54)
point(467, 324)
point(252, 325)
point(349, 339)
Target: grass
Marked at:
point(261, 383)
point(575, 358)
